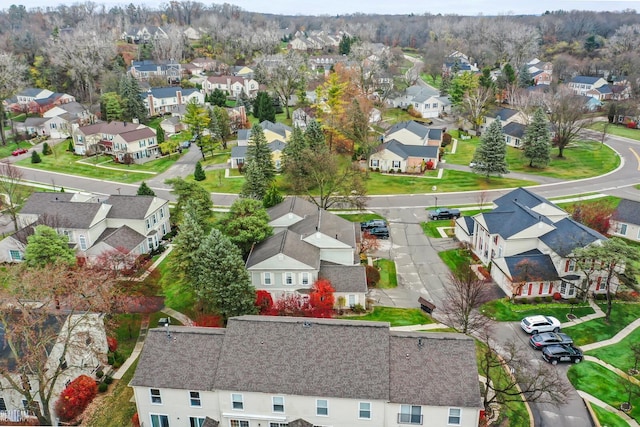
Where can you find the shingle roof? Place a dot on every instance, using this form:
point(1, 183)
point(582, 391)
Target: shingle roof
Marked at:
point(568, 235)
point(129, 207)
point(628, 211)
point(541, 265)
point(138, 134)
point(295, 205)
point(585, 79)
point(110, 128)
point(514, 129)
point(412, 126)
point(123, 237)
point(344, 278)
point(287, 243)
point(524, 197)
point(406, 151)
point(329, 224)
point(435, 369)
point(504, 113)
point(271, 355)
point(240, 151)
point(187, 359)
point(61, 211)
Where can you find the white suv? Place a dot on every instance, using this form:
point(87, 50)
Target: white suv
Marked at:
point(537, 324)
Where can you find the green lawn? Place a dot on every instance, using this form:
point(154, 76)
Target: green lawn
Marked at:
point(619, 355)
point(504, 310)
point(395, 316)
point(582, 159)
point(455, 258)
point(598, 330)
point(177, 294)
point(360, 217)
point(388, 278)
point(430, 81)
point(603, 384)
point(618, 130)
point(431, 228)
point(116, 408)
point(608, 201)
point(607, 418)
point(65, 162)
point(127, 331)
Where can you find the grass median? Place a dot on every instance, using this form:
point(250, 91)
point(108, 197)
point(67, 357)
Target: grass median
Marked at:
point(395, 316)
point(599, 330)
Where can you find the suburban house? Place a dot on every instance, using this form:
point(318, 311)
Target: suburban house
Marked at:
point(272, 132)
point(458, 63)
point(393, 156)
point(57, 122)
point(308, 243)
point(232, 85)
point(93, 224)
point(411, 132)
point(86, 353)
point(425, 100)
point(595, 87)
point(625, 221)
point(239, 154)
point(315, 40)
point(301, 117)
point(541, 72)
point(144, 34)
point(126, 142)
point(288, 371)
point(506, 116)
point(514, 134)
point(37, 101)
point(164, 100)
point(528, 242)
point(170, 71)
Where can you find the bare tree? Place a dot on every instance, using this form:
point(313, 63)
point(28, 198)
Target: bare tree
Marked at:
point(463, 295)
point(171, 47)
point(10, 185)
point(12, 79)
point(566, 115)
point(46, 316)
point(475, 105)
point(509, 375)
point(285, 74)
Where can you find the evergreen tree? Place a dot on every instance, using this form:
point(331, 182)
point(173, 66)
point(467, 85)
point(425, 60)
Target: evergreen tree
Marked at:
point(159, 134)
point(490, 157)
point(485, 79)
point(524, 77)
point(199, 174)
point(186, 243)
point(145, 190)
point(315, 136)
point(263, 108)
point(537, 141)
point(509, 74)
point(292, 152)
point(46, 149)
point(246, 224)
point(72, 146)
point(218, 98)
point(214, 129)
point(272, 198)
point(188, 191)
point(226, 288)
point(111, 106)
point(35, 157)
point(259, 168)
point(46, 247)
point(132, 102)
point(243, 100)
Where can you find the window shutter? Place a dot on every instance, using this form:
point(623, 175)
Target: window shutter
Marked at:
point(566, 266)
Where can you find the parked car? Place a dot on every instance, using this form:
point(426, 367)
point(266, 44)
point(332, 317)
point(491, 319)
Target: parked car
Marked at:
point(539, 341)
point(444, 213)
point(185, 144)
point(536, 324)
point(379, 232)
point(19, 151)
point(373, 223)
point(562, 353)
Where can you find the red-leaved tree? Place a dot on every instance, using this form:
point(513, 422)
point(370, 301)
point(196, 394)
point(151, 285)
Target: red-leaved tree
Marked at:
point(209, 321)
point(264, 302)
point(291, 305)
point(75, 398)
point(368, 243)
point(117, 261)
point(112, 343)
point(322, 299)
point(596, 215)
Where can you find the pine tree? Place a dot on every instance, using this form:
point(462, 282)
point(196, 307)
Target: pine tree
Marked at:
point(159, 134)
point(292, 152)
point(246, 224)
point(72, 146)
point(218, 97)
point(263, 108)
point(46, 149)
point(537, 141)
point(145, 190)
point(186, 243)
point(272, 198)
point(35, 157)
point(199, 174)
point(227, 288)
point(132, 102)
point(524, 77)
point(259, 168)
point(315, 137)
point(490, 157)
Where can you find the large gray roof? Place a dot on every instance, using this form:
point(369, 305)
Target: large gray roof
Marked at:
point(344, 278)
point(295, 205)
point(60, 211)
point(329, 224)
point(568, 235)
point(123, 237)
point(288, 243)
point(129, 207)
point(405, 151)
point(628, 211)
point(535, 264)
point(272, 355)
point(412, 126)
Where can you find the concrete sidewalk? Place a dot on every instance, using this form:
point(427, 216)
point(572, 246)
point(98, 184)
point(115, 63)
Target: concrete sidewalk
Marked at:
point(595, 401)
point(615, 339)
point(597, 315)
point(144, 327)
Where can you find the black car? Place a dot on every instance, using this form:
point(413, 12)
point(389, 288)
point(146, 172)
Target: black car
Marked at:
point(562, 353)
point(373, 223)
point(379, 232)
point(539, 341)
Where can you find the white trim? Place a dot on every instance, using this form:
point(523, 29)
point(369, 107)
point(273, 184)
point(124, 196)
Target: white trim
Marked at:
point(235, 415)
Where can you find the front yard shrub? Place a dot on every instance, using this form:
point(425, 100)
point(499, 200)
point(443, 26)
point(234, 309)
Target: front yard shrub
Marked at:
point(102, 387)
point(373, 276)
point(358, 308)
point(46, 150)
point(35, 157)
point(398, 170)
point(75, 398)
point(112, 343)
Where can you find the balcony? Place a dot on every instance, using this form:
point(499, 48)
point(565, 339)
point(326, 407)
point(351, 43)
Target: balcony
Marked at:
point(413, 419)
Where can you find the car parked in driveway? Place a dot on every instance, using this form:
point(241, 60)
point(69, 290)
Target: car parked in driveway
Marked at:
point(373, 223)
point(539, 341)
point(19, 151)
point(562, 353)
point(379, 232)
point(536, 324)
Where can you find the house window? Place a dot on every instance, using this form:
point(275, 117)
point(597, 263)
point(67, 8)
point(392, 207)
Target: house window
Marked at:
point(305, 278)
point(239, 423)
point(161, 213)
point(563, 288)
point(525, 289)
point(322, 407)
point(194, 398)
point(148, 223)
point(278, 425)
point(364, 410)
point(395, 164)
point(288, 278)
point(155, 219)
point(159, 420)
point(236, 401)
point(15, 255)
point(155, 396)
point(83, 242)
point(278, 403)
point(267, 278)
point(3, 405)
point(623, 229)
point(454, 416)
point(196, 421)
point(410, 414)
point(352, 300)
point(375, 163)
